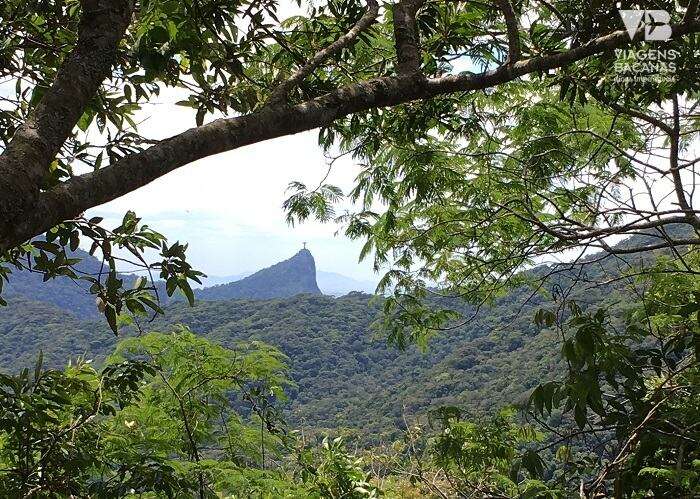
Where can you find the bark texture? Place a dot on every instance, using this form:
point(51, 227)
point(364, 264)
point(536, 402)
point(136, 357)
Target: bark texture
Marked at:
point(511, 19)
point(321, 56)
point(406, 40)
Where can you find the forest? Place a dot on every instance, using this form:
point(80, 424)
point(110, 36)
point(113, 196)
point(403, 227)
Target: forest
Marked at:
point(525, 188)
point(314, 390)
point(345, 376)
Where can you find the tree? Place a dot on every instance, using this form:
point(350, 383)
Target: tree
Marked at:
point(619, 419)
point(378, 80)
point(632, 391)
point(50, 422)
point(202, 401)
point(555, 138)
point(168, 413)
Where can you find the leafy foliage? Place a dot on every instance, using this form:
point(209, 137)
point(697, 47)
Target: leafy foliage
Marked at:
point(50, 424)
point(140, 424)
point(638, 386)
point(332, 472)
point(345, 374)
point(487, 458)
point(459, 193)
point(57, 257)
point(169, 414)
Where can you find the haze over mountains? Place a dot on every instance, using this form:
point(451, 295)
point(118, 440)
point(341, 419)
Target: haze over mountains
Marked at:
point(330, 283)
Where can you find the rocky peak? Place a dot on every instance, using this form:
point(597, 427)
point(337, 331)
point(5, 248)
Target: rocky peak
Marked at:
point(296, 275)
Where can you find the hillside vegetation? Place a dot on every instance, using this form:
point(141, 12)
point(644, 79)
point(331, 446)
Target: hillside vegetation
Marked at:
point(331, 375)
point(346, 375)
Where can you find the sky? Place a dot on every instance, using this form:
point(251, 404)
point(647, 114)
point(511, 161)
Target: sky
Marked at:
point(228, 207)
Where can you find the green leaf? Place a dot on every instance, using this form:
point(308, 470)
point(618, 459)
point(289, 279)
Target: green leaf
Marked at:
point(39, 363)
point(151, 304)
point(111, 315)
point(186, 290)
point(85, 120)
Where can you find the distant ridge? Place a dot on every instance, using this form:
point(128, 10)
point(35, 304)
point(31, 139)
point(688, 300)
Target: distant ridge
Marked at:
point(294, 276)
point(334, 284)
point(330, 283)
point(66, 294)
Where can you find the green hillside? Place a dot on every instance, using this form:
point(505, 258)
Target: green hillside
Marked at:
point(347, 380)
point(346, 376)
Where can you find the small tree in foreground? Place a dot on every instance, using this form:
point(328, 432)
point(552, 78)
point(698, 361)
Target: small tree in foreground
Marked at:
point(168, 413)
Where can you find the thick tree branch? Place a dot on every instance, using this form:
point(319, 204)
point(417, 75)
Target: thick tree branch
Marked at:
point(39, 139)
point(406, 38)
point(83, 192)
point(512, 30)
point(25, 163)
point(321, 56)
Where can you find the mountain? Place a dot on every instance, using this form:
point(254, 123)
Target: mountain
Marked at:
point(346, 376)
point(70, 296)
point(294, 276)
point(330, 283)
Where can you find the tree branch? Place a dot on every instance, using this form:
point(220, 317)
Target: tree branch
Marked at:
point(512, 30)
point(25, 163)
point(39, 139)
point(406, 38)
point(321, 56)
point(674, 139)
point(658, 123)
point(80, 193)
point(691, 11)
